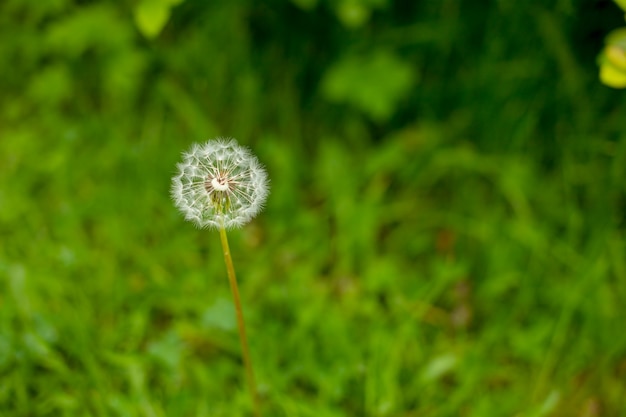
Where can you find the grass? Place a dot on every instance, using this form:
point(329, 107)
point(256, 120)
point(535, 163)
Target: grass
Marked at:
point(403, 301)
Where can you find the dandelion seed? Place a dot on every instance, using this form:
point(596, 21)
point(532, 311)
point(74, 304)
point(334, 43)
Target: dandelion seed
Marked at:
point(219, 184)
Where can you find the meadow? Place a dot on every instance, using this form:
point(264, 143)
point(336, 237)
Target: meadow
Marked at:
point(445, 232)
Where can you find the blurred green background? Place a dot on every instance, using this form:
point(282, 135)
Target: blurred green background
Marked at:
point(444, 236)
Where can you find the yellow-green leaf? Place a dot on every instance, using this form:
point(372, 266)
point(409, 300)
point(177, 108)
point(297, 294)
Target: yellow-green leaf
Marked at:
point(616, 56)
point(612, 60)
point(612, 76)
point(151, 17)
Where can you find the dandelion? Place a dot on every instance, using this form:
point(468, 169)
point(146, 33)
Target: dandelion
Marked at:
point(219, 184)
point(222, 185)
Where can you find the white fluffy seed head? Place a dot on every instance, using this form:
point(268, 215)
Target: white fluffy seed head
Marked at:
point(219, 184)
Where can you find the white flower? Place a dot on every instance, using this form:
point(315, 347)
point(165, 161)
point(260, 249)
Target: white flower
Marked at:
point(219, 184)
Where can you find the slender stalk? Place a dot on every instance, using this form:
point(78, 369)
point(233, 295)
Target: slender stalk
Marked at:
point(240, 323)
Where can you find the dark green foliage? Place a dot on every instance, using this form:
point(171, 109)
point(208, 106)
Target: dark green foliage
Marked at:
point(444, 236)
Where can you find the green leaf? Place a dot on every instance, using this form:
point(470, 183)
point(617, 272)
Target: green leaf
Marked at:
point(151, 16)
point(353, 14)
point(439, 366)
point(220, 315)
point(167, 350)
point(374, 83)
point(356, 13)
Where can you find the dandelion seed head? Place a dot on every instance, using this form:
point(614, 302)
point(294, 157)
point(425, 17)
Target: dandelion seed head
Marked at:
point(219, 184)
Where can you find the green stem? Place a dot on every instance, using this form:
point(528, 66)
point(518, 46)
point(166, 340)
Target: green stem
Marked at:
point(240, 323)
